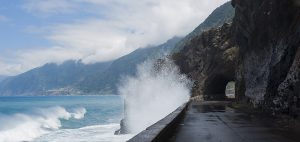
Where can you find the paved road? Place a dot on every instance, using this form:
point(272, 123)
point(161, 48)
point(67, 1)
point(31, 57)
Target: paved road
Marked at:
point(215, 122)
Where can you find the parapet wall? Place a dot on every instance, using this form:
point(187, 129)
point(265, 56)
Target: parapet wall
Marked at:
point(162, 130)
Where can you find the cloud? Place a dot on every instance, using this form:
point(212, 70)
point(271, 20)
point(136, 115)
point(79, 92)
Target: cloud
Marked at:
point(10, 69)
point(114, 29)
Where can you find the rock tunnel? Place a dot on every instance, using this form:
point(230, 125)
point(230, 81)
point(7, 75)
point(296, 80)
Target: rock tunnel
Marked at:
point(218, 86)
point(210, 61)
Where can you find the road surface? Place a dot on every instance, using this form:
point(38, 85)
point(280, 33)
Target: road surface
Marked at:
point(216, 122)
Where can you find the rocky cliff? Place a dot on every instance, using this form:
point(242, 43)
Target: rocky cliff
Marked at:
point(259, 50)
point(209, 59)
point(267, 33)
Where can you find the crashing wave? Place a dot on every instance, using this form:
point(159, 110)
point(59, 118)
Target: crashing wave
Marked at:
point(28, 126)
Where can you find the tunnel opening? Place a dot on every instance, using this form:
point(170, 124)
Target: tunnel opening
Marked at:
point(220, 88)
point(230, 90)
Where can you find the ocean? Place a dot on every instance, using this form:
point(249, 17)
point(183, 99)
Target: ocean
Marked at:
point(61, 119)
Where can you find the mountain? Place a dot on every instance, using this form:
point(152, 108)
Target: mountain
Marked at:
point(51, 76)
point(123, 66)
point(74, 77)
point(221, 15)
point(2, 77)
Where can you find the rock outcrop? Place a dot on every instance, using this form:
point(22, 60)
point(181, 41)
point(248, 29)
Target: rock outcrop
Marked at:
point(209, 60)
point(259, 50)
point(268, 36)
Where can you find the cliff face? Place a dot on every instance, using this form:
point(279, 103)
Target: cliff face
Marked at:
point(259, 50)
point(268, 66)
point(209, 60)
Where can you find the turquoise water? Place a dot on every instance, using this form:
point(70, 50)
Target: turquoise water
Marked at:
point(60, 118)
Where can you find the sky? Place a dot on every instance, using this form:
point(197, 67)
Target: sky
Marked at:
point(35, 32)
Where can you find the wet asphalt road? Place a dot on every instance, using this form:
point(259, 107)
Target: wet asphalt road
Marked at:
point(216, 122)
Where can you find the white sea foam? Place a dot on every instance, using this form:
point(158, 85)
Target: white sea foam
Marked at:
point(79, 113)
point(153, 93)
point(97, 133)
point(28, 126)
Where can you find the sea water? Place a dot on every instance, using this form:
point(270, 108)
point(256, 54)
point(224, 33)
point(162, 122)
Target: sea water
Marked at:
point(61, 119)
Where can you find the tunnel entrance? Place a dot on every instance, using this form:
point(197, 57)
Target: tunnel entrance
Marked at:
point(219, 88)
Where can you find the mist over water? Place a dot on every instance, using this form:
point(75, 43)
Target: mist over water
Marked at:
point(157, 89)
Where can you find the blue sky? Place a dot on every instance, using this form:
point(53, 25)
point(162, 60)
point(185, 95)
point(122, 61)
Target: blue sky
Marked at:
point(13, 26)
point(35, 32)
point(18, 24)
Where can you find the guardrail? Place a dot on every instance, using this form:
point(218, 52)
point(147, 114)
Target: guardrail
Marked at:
point(162, 130)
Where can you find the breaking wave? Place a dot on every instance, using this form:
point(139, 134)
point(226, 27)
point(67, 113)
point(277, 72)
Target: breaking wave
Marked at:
point(38, 122)
point(156, 90)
